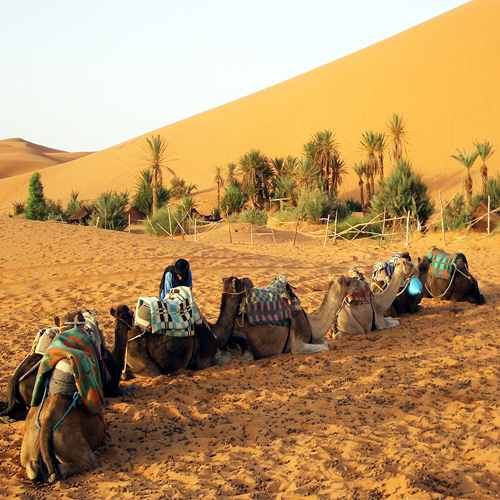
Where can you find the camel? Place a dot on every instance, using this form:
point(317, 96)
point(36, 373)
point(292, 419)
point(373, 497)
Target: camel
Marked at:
point(461, 286)
point(150, 355)
point(20, 385)
point(60, 433)
point(306, 332)
point(357, 318)
point(407, 299)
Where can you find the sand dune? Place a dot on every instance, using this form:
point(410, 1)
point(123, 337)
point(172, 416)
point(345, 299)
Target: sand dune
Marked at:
point(411, 412)
point(441, 75)
point(18, 157)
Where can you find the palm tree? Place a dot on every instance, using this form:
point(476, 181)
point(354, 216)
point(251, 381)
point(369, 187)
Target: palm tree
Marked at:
point(307, 173)
point(369, 194)
point(467, 160)
point(155, 153)
point(397, 130)
point(338, 171)
point(380, 147)
point(257, 176)
point(219, 180)
point(485, 151)
point(322, 149)
point(231, 174)
point(359, 168)
point(369, 144)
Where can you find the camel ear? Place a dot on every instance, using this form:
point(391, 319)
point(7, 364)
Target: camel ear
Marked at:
point(112, 311)
point(57, 321)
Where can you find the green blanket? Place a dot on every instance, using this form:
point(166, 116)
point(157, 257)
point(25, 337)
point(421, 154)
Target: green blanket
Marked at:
point(88, 368)
point(441, 263)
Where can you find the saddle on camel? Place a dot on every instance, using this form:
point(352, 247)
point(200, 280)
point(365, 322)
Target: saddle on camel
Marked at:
point(409, 295)
point(364, 310)
point(65, 423)
point(21, 384)
point(447, 277)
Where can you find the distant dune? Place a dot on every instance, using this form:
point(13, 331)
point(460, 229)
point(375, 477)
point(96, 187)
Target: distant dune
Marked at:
point(440, 75)
point(18, 156)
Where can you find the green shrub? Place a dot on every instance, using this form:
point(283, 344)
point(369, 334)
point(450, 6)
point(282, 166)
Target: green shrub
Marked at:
point(456, 214)
point(108, 209)
point(19, 207)
point(371, 230)
point(402, 191)
point(54, 210)
point(253, 216)
point(315, 205)
point(36, 207)
point(234, 199)
point(167, 221)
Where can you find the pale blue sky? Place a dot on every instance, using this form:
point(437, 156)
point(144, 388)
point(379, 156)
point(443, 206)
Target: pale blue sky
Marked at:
point(87, 75)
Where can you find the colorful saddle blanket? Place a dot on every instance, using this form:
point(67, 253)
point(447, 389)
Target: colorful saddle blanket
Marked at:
point(441, 263)
point(88, 368)
point(388, 267)
point(271, 305)
point(175, 315)
point(363, 294)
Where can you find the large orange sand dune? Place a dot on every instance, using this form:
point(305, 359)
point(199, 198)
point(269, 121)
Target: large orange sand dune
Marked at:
point(441, 75)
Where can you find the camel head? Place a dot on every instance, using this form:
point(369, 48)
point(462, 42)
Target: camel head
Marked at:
point(345, 285)
point(123, 313)
point(71, 317)
point(406, 268)
point(234, 285)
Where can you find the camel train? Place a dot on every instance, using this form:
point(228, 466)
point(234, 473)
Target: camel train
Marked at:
point(61, 435)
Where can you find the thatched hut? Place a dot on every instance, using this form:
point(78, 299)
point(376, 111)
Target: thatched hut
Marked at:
point(81, 216)
point(480, 218)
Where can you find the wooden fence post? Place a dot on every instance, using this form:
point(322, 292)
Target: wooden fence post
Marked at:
point(442, 218)
point(489, 207)
point(296, 229)
point(326, 230)
point(229, 229)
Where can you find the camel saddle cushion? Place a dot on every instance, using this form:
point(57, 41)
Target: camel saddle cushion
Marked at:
point(386, 270)
point(364, 294)
point(175, 315)
point(441, 264)
point(271, 305)
point(88, 368)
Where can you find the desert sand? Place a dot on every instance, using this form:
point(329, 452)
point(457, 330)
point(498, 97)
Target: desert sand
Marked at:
point(440, 75)
point(411, 412)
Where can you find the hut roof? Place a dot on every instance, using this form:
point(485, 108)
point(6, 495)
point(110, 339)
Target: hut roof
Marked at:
point(81, 213)
point(136, 215)
point(480, 213)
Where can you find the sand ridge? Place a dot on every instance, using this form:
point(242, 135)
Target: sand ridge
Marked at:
point(410, 412)
point(438, 75)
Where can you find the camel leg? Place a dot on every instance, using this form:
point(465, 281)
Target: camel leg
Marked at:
point(143, 367)
point(30, 448)
point(387, 323)
point(298, 346)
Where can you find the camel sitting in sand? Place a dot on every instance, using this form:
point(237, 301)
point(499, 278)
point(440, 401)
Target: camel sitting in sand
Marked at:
point(449, 279)
point(410, 293)
point(152, 354)
point(306, 332)
point(20, 385)
point(65, 425)
point(367, 314)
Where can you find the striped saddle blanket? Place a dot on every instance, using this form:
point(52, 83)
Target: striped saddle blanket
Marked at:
point(175, 315)
point(363, 294)
point(87, 366)
point(386, 270)
point(272, 305)
point(441, 263)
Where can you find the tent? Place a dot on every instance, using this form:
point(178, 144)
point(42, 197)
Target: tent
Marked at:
point(135, 214)
point(82, 214)
point(480, 218)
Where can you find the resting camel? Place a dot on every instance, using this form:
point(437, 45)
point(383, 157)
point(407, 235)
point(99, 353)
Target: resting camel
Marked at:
point(461, 286)
point(306, 332)
point(407, 299)
point(369, 315)
point(61, 435)
point(150, 355)
point(20, 385)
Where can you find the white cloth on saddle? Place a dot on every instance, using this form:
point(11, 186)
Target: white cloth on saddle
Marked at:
point(175, 315)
